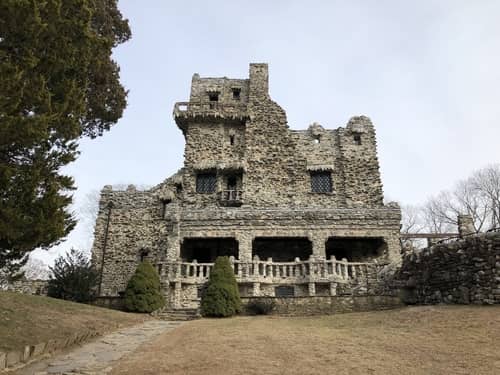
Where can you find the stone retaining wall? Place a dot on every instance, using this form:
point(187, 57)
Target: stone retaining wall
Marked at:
point(19, 358)
point(36, 287)
point(324, 305)
point(463, 271)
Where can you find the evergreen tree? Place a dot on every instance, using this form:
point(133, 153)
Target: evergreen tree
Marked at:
point(58, 84)
point(221, 297)
point(73, 278)
point(143, 290)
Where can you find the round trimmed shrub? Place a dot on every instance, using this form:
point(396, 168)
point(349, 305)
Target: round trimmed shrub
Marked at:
point(221, 297)
point(143, 292)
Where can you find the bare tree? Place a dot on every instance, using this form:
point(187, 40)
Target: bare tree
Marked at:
point(411, 219)
point(477, 196)
point(486, 183)
point(36, 269)
point(439, 213)
point(87, 214)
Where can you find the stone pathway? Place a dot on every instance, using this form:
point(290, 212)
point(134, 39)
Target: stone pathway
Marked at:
point(97, 357)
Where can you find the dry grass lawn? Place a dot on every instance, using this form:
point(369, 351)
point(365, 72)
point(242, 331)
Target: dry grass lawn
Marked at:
point(26, 320)
point(414, 340)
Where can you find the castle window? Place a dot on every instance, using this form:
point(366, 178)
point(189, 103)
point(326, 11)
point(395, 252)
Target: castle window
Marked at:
point(213, 96)
point(357, 139)
point(231, 140)
point(236, 93)
point(143, 253)
point(206, 182)
point(321, 182)
point(284, 291)
point(317, 139)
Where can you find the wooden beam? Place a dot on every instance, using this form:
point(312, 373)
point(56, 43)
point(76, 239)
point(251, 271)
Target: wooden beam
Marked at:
point(428, 235)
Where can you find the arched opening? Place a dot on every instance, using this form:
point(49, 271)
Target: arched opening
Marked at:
point(206, 250)
point(282, 249)
point(356, 249)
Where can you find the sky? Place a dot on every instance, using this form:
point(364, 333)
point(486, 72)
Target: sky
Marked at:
point(426, 72)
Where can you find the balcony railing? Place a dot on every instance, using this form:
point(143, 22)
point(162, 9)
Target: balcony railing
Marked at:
point(331, 270)
point(231, 197)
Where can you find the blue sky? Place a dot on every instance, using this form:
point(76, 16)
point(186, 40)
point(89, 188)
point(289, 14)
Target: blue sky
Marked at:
point(427, 74)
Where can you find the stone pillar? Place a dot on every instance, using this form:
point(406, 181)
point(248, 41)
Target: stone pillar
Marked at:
point(245, 247)
point(312, 289)
point(465, 225)
point(259, 80)
point(173, 248)
point(431, 242)
point(333, 289)
point(318, 245)
point(177, 294)
point(393, 247)
point(256, 289)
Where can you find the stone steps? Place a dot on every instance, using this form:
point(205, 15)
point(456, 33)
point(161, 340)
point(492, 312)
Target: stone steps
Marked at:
point(179, 314)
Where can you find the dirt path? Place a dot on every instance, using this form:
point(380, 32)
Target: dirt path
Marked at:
point(98, 357)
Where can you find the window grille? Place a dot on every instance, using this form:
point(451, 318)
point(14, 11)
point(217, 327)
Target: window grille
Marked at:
point(284, 291)
point(321, 182)
point(205, 183)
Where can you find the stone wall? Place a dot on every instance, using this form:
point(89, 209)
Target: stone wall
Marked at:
point(325, 305)
point(462, 271)
point(37, 287)
point(129, 228)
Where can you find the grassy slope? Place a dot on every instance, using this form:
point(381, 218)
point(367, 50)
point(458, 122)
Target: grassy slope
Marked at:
point(26, 319)
point(419, 340)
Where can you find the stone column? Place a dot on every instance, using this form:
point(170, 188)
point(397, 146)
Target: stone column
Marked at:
point(256, 289)
point(173, 248)
point(245, 247)
point(177, 294)
point(318, 245)
point(431, 242)
point(393, 247)
point(333, 289)
point(465, 225)
point(312, 289)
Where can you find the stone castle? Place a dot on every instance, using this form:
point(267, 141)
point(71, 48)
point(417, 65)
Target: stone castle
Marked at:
point(300, 212)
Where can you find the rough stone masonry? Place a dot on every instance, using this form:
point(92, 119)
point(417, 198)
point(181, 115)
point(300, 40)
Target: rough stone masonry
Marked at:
point(300, 212)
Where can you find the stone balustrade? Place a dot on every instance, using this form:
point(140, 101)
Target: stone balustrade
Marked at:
point(312, 270)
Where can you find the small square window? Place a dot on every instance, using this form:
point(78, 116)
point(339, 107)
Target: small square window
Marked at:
point(236, 93)
point(357, 139)
point(284, 291)
point(213, 96)
point(206, 183)
point(231, 140)
point(321, 182)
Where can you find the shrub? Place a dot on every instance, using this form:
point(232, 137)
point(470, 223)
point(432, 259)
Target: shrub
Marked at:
point(221, 297)
point(143, 292)
point(261, 306)
point(73, 278)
